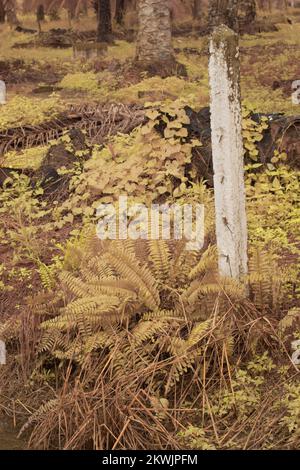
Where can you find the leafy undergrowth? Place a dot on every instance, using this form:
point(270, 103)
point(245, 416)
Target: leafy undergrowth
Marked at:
point(269, 64)
point(140, 345)
point(110, 341)
point(22, 110)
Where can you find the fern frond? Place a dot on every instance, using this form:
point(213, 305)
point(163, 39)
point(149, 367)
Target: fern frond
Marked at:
point(208, 261)
point(101, 268)
point(9, 328)
point(47, 275)
point(129, 268)
point(158, 314)
point(50, 340)
point(198, 332)
point(180, 366)
point(145, 330)
point(264, 279)
point(160, 257)
point(196, 289)
point(183, 262)
point(75, 285)
point(40, 413)
point(116, 287)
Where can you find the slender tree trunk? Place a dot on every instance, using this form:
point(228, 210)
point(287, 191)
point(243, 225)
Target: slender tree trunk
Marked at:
point(120, 11)
point(11, 14)
point(2, 12)
point(223, 12)
point(228, 154)
point(28, 6)
point(197, 6)
point(104, 31)
point(249, 10)
point(85, 8)
point(154, 41)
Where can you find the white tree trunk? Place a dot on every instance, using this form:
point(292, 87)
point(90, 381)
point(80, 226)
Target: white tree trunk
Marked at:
point(2, 353)
point(228, 153)
point(2, 92)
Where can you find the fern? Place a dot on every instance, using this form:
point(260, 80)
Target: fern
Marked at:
point(207, 262)
point(197, 333)
point(128, 267)
point(47, 275)
point(265, 279)
point(120, 307)
point(48, 407)
point(145, 330)
point(160, 257)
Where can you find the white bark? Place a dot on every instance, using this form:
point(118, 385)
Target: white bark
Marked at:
point(228, 153)
point(2, 353)
point(2, 92)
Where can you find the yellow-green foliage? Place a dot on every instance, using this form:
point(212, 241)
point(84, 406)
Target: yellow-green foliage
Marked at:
point(291, 402)
point(125, 279)
point(143, 165)
point(20, 208)
point(194, 438)
point(30, 55)
point(159, 89)
point(21, 110)
point(84, 81)
point(273, 206)
point(252, 131)
point(245, 391)
point(121, 50)
point(27, 158)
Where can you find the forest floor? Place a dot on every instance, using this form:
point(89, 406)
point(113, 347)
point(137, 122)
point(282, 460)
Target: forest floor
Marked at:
point(44, 229)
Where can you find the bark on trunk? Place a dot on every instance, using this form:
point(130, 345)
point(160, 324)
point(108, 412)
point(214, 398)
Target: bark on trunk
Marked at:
point(197, 5)
point(11, 14)
point(154, 41)
point(104, 31)
point(223, 12)
point(120, 11)
point(2, 12)
point(228, 154)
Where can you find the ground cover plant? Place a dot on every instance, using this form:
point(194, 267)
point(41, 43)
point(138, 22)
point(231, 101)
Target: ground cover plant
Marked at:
point(141, 344)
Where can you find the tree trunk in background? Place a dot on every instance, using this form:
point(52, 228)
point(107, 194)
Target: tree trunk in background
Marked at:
point(197, 7)
point(120, 11)
point(2, 12)
point(223, 12)
point(104, 31)
point(248, 10)
point(40, 12)
point(85, 7)
point(40, 16)
point(154, 41)
point(27, 6)
point(11, 13)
